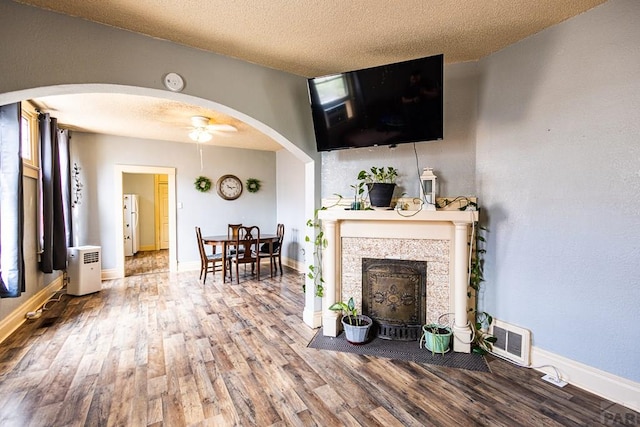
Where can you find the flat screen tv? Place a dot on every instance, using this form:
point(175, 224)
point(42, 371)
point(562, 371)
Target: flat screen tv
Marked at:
point(386, 105)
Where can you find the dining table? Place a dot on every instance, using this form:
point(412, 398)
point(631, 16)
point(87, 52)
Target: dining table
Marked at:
point(224, 240)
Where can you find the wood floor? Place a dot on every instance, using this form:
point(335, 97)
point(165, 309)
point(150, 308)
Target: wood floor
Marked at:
point(145, 262)
point(165, 350)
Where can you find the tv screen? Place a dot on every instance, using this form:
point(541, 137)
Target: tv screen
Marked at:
point(385, 105)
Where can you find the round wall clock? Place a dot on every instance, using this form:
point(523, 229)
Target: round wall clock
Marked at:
point(229, 187)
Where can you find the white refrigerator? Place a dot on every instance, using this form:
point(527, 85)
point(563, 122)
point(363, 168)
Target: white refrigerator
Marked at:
point(131, 229)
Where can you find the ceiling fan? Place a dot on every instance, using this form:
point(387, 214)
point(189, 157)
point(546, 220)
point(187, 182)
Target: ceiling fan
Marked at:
point(202, 129)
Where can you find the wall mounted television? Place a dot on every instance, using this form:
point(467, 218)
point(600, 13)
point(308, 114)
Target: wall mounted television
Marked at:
point(385, 105)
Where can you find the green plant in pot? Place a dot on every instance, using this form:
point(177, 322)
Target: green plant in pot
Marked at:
point(358, 203)
point(381, 182)
point(436, 338)
point(356, 326)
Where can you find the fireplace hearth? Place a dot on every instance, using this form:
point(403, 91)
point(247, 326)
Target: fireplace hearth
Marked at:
point(394, 296)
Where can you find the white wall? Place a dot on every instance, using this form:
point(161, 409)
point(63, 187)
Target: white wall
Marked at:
point(453, 158)
point(558, 159)
point(97, 155)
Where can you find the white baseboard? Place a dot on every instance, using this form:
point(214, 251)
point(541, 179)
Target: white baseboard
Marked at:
point(608, 386)
point(17, 317)
point(189, 266)
point(109, 274)
point(295, 264)
point(311, 318)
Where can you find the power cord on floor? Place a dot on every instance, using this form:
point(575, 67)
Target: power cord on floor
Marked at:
point(32, 315)
point(555, 380)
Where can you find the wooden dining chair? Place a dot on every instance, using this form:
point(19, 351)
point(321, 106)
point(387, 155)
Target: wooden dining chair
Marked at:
point(272, 250)
point(246, 244)
point(208, 262)
point(232, 234)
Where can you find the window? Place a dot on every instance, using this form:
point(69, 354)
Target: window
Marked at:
point(30, 140)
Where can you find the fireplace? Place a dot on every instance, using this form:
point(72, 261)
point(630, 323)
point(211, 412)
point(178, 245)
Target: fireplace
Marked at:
point(439, 238)
point(394, 296)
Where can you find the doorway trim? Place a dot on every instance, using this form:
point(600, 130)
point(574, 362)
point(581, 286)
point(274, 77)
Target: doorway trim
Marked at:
point(120, 170)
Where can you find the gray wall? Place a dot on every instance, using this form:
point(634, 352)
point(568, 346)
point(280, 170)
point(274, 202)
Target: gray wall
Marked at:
point(42, 49)
point(453, 158)
point(290, 202)
point(558, 165)
point(551, 125)
point(97, 155)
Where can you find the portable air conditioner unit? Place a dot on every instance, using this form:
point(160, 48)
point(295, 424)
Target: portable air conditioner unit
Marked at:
point(83, 270)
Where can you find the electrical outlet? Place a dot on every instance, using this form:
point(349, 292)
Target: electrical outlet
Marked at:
point(553, 380)
point(34, 314)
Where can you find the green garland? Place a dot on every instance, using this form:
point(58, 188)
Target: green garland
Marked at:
point(202, 184)
point(253, 185)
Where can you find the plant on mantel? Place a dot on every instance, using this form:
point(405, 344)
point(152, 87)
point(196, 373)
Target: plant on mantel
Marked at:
point(380, 175)
point(319, 244)
point(381, 183)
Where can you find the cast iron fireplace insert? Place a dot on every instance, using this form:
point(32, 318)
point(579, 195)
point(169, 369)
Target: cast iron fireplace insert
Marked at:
point(394, 296)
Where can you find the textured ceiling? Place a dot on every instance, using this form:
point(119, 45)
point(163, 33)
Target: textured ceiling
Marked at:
point(147, 118)
point(312, 38)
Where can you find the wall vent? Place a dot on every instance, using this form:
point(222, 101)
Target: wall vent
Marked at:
point(513, 342)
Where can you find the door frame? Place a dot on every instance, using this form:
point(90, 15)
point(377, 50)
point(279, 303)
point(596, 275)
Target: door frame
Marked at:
point(120, 170)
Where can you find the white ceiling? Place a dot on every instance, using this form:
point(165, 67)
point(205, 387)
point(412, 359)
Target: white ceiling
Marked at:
point(303, 37)
point(147, 118)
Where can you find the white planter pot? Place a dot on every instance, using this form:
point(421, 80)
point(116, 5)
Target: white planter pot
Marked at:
point(358, 332)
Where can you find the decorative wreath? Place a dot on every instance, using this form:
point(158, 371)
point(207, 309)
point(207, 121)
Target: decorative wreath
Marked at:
point(202, 184)
point(253, 185)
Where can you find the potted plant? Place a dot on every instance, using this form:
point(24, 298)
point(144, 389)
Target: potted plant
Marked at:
point(358, 203)
point(356, 326)
point(380, 182)
point(436, 338)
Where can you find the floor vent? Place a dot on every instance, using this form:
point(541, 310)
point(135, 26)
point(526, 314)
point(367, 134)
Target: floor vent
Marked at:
point(513, 342)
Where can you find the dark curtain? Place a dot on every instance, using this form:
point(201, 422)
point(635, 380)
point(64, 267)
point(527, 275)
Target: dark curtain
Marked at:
point(65, 182)
point(12, 282)
point(54, 249)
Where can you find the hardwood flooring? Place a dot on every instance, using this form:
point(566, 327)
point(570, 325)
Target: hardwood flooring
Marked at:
point(145, 262)
point(165, 350)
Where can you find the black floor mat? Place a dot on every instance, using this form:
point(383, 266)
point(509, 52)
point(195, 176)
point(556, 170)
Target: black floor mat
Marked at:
point(402, 350)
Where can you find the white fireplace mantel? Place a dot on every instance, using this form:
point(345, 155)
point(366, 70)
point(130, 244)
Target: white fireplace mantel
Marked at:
point(452, 226)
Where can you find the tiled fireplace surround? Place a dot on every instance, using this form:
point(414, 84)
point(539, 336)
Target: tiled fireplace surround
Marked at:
point(438, 237)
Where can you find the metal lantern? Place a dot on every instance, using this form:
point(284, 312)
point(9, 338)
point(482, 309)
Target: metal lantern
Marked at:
point(428, 188)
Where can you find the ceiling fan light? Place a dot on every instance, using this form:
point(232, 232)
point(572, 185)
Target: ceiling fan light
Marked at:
point(200, 135)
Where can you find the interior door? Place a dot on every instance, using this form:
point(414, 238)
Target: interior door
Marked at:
point(162, 210)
